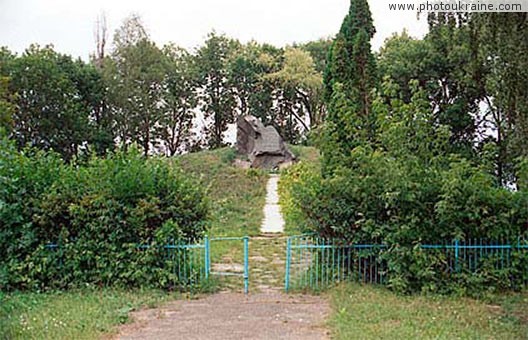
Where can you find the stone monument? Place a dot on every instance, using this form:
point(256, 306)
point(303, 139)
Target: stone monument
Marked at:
point(263, 145)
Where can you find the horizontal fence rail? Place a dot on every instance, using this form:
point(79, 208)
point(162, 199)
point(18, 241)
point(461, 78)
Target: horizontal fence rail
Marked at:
point(316, 263)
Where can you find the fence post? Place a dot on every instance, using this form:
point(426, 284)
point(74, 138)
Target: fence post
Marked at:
point(246, 264)
point(207, 258)
point(456, 255)
point(61, 254)
point(288, 261)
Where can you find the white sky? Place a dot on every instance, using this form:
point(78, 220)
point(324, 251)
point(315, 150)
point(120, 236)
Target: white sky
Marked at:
point(69, 24)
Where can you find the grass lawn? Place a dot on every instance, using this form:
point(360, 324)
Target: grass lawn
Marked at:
point(367, 312)
point(81, 314)
point(308, 154)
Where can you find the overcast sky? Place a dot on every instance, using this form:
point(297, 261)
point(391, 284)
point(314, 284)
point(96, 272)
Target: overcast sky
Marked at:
point(69, 24)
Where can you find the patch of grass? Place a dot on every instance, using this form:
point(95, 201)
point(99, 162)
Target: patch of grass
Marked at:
point(237, 195)
point(80, 314)
point(308, 154)
point(367, 312)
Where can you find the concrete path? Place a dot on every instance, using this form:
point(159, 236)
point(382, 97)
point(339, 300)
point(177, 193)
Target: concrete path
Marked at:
point(273, 221)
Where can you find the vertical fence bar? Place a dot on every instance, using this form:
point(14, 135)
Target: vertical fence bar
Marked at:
point(305, 274)
point(316, 252)
point(288, 260)
point(246, 264)
point(207, 260)
point(310, 266)
point(349, 258)
point(456, 255)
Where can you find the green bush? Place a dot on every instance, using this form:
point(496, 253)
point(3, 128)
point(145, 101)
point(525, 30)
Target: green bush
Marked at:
point(406, 197)
point(97, 214)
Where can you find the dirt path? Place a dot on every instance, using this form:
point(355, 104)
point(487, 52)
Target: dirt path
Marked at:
point(233, 316)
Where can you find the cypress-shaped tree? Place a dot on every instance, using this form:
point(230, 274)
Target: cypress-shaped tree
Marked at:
point(349, 79)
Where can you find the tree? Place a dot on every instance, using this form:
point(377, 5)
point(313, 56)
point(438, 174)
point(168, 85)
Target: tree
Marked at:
point(6, 105)
point(299, 82)
point(457, 77)
point(216, 93)
point(135, 76)
point(101, 37)
point(503, 43)
point(402, 59)
point(349, 81)
point(7, 99)
point(319, 50)
point(248, 67)
point(179, 100)
point(50, 111)
point(448, 66)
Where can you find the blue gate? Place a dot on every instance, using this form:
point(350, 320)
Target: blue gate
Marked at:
point(244, 273)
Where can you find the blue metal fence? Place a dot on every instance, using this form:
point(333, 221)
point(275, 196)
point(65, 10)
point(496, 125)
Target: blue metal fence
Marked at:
point(186, 265)
point(316, 263)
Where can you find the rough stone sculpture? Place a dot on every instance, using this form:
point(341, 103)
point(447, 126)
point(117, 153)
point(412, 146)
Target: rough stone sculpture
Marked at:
point(262, 144)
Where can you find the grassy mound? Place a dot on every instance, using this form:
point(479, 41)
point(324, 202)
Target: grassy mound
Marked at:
point(237, 195)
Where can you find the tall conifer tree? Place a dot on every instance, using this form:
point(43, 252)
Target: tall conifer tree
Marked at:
point(349, 79)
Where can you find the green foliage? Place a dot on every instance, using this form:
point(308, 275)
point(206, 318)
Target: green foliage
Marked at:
point(318, 49)
point(407, 190)
point(135, 75)
point(141, 93)
point(6, 105)
point(401, 167)
point(97, 214)
point(51, 110)
point(349, 80)
point(444, 66)
point(176, 121)
point(299, 90)
point(296, 183)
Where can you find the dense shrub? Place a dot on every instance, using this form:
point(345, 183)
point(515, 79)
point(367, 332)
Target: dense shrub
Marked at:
point(97, 214)
point(403, 202)
point(404, 206)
